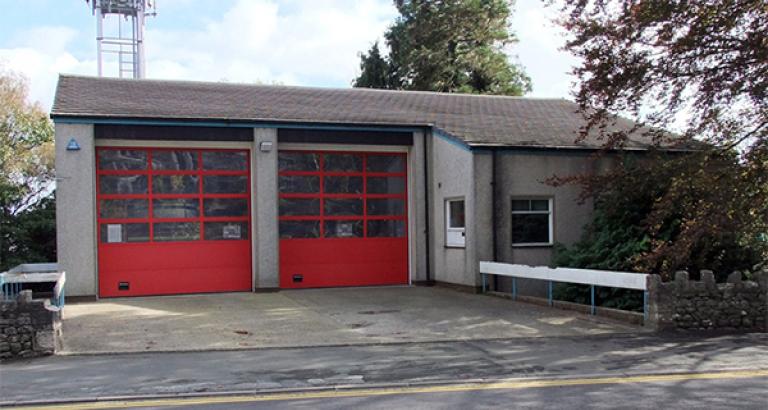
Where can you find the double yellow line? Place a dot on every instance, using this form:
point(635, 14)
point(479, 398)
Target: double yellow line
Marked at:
point(329, 394)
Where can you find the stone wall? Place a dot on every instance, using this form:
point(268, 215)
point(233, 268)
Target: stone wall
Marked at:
point(705, 305)
point(27, 328)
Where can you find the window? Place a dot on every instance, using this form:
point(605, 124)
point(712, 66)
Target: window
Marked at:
point(531, 222)
point(171, 195)
point(454, 223)
point(341, 195)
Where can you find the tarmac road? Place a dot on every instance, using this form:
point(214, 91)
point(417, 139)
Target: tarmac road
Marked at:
point(413, 365)
point(723, 390)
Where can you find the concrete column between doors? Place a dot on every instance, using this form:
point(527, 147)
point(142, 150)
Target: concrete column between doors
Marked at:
point(264, 208)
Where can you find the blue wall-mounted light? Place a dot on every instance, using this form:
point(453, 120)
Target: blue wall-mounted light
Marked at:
point(72, 145)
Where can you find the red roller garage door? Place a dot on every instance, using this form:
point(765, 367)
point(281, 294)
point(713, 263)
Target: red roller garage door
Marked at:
point(173, 221)
point(343, 219)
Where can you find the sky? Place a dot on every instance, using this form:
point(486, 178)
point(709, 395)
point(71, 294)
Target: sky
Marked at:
point(292, 42)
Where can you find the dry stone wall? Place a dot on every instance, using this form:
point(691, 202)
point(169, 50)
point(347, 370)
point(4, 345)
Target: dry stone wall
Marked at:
point(27, 328)
point(738, 305)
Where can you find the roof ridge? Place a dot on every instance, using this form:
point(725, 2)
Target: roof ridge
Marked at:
point(306, 87)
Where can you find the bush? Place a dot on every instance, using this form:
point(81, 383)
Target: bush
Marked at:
point(649, 217)
point(29, 236)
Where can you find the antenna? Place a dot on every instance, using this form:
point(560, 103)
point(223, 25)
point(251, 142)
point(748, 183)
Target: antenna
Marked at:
point(124, 39)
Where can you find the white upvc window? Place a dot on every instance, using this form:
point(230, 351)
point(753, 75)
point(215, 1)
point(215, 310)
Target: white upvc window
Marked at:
point(532, 222)
point(455, 229)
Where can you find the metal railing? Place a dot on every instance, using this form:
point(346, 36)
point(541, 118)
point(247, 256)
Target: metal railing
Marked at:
point(9, 290)
point(12, 282)
point(624, 280)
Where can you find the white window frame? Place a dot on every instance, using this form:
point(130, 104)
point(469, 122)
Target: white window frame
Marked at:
point(455, 237)
point(550, 212)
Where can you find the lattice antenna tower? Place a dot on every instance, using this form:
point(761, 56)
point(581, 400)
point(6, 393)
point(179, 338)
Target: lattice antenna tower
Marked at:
point(120, 34)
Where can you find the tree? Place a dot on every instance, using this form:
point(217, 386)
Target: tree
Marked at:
point(26, 174)
point(648, 200)
point(699, 68)
point(374, 70)
point(447, 46)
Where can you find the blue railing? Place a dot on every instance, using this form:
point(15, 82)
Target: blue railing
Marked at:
point(9, 289)
point(12, 282)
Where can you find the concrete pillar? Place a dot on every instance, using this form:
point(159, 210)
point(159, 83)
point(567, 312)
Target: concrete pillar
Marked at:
point(76, 208)
point(265, 230)
point(418, 214)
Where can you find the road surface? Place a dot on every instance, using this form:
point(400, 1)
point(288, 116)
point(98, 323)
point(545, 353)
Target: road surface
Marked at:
point(416, 366)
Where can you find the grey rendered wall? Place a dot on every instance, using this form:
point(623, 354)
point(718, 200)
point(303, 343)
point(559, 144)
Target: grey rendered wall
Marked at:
point(266, 241)
point(452, 177)
point(522, 174)
point(483, 238)
point(75, 208)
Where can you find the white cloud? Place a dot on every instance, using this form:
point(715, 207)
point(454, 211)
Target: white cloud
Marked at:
point(42, 69)
point(288, 42)
point(314, 43)
point(293, 42)
point(40, 54)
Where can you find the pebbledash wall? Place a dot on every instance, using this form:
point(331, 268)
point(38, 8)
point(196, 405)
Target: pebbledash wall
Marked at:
point(683, 304)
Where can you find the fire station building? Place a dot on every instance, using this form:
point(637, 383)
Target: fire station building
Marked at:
point(170, 187)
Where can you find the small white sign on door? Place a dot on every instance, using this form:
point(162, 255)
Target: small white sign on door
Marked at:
point(114, 233)
point(231, 231)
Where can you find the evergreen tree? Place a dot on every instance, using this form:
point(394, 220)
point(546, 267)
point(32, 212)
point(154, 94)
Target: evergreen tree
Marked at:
point(447, 46)
point(374, 70)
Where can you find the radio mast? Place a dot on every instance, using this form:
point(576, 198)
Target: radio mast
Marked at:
point(123, 40)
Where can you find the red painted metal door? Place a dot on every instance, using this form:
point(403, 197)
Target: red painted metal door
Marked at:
point(343, 219)
point(173, 221)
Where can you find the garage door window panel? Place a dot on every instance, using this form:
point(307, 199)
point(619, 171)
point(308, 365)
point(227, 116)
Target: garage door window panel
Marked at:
point(186, 191)
point(175, 184)
point(124, 232)
point(299, 207)
point(386, 228)
point(385, 163)
point(122, 160)
point(123, 184)
point(225, 207)
point(299, 229)
point(176, 208)
point(343, 185)
point(344, 229)
point(176, 231)
point(353, 188)
point(343, 207)
point(385, 206)
point(343, 163)
point(123, 208)
point(225, 184)
point(298, 184)
point(385, 185)
point(225, 160)
point(226, 231)
point(167, 160)
point(298, 161)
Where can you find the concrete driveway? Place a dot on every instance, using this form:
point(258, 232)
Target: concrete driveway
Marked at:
point(315, 317)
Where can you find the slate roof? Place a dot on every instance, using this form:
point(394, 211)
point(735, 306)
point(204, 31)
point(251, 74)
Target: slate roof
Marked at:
point(478, 120)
